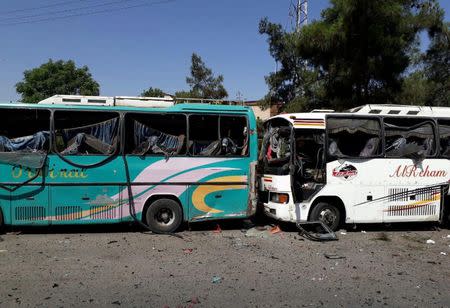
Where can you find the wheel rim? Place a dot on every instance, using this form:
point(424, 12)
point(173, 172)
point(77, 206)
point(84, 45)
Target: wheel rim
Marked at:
point(328, 217)
point(164, 217)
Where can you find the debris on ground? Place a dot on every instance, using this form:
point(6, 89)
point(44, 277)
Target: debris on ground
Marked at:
point(194, 300)
point(218, 229)
point(333, 256)
point(326, 234)
point(431, 242)
point(275, 230)
point(216, 279)
point(261, 232)
point(14, 233)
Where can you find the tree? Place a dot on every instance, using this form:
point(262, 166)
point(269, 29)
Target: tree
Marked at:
point(59, 77)
point(153, 92)
point(202, 81)
point(415, 89)
point(355, 54)
point(437, 67)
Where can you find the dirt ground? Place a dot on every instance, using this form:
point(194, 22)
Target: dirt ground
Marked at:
point(118, 265)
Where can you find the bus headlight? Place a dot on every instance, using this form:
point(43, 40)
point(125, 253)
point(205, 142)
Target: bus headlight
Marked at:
point(279, 198)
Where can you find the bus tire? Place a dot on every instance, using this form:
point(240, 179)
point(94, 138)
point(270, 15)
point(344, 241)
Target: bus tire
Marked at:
point(328, 214)
point(164, 216)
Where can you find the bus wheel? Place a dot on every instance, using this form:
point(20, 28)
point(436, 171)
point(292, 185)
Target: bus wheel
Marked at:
point(164, 215)
point(328, 214)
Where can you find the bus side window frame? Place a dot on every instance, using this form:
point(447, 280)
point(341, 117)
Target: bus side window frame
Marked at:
point(354, 116)
point(438, 132)
point(142, 113)
point(220, 115)
point(247, 137)
point(54, 150)
point(432, 121)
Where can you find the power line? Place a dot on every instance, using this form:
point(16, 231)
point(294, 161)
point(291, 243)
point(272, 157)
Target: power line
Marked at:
point(40, 7)
point(67, 10)
point(87, 13)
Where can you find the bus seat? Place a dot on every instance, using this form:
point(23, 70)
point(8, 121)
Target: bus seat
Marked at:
point(78, 143)
point(428, 144)
point(371, 147)
point(333, 149)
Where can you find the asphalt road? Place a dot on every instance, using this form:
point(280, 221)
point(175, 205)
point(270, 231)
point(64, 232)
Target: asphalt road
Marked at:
point(120, 266)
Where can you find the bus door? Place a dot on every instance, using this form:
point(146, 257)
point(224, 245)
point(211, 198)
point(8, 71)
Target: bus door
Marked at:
point(85, 172)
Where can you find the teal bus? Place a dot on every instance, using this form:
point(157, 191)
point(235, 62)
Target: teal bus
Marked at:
point(89, 160)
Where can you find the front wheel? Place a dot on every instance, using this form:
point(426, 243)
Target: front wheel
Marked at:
point(329, 214)
point(163, 216)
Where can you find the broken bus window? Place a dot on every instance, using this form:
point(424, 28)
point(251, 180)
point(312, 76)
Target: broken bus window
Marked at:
point(444, 137)
point(86, 132)
point(409, 137)
point(212, 135)
point(155, 134)
point(353, 137)
point(26, 144)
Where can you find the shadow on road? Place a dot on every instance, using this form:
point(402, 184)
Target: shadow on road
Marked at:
point(217, 225)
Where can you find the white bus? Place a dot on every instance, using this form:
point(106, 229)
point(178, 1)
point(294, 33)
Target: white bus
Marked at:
point(372, 164)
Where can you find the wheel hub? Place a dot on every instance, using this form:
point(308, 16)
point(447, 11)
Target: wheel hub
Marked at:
point(327, 216)
point(164, 216)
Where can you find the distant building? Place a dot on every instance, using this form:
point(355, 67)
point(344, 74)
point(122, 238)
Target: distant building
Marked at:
point(261, 113)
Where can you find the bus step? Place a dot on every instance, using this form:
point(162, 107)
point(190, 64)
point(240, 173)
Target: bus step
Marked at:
point(323, 235)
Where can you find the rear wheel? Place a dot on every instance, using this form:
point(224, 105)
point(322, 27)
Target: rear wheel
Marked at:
point(164, 215)
point(328, 213)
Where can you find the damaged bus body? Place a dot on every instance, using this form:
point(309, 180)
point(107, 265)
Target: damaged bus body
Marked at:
point(82, 160)
point(372, 164)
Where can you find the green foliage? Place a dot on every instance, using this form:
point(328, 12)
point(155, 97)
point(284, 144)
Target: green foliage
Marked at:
point(59, 77)
point(186, 94)
point(357, 53)
point(202, 82)
point(153, 92)
point(437, 67)
point(415, 89)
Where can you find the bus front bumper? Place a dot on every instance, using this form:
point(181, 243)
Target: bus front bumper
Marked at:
point(278, 211)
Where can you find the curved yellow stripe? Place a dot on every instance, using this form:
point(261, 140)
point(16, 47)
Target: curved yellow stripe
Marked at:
point(417, 204)
point(199, 194)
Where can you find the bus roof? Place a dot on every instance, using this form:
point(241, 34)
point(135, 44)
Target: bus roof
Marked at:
point(182, 107)
point(316, 119)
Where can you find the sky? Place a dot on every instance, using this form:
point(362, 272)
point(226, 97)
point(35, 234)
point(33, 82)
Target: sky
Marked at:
point(130, 50)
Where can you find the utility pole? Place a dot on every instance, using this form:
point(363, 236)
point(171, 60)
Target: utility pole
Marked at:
point(301, 14)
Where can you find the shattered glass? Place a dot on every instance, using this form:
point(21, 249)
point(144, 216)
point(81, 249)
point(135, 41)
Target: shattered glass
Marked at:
point(28, 151)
